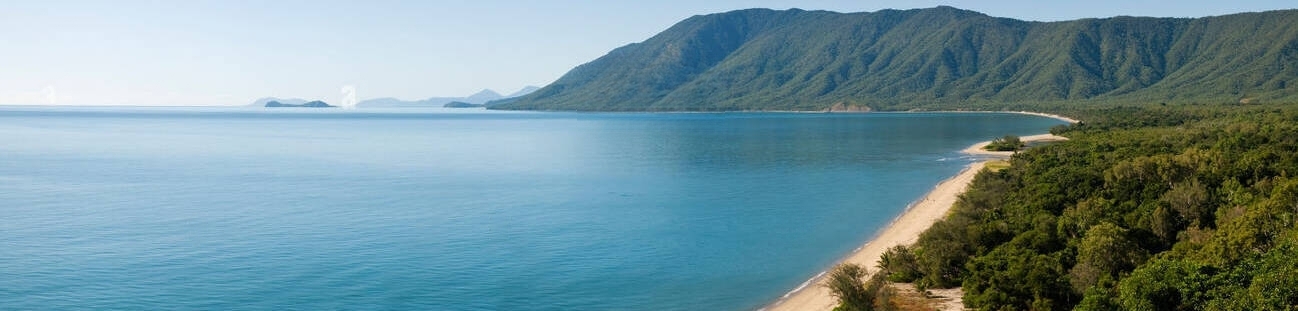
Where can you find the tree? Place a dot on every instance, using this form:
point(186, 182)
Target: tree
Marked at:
point(899, 264)
point(1191, 201)
point(846, 282)
point(1105, 251)
point(1163, 285)
point(1015, 278)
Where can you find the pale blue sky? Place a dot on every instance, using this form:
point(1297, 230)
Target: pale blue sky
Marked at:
point(231, 52)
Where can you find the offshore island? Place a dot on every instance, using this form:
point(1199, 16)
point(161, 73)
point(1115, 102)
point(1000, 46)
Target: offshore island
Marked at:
point(310, 104)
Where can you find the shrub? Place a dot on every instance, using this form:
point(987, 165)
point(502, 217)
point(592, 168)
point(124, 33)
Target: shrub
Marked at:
point(847, 283)
point(1007, 143)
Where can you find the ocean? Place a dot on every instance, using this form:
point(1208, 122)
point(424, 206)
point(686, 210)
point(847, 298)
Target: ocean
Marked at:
point(440, 209)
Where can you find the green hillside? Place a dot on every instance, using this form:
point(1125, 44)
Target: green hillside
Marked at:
point(932, 58)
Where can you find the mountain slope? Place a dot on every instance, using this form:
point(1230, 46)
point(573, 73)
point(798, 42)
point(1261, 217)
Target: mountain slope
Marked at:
point(523, 91)
point(813, 60)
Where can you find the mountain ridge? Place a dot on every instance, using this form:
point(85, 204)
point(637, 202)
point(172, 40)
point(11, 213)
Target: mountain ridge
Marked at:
point(761, 59)
point(480, 98)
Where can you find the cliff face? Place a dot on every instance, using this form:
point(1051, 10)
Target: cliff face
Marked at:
point(809, 60)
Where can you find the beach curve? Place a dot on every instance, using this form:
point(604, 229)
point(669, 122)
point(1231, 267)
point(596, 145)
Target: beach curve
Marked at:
point(812, 295)
point(904, 230)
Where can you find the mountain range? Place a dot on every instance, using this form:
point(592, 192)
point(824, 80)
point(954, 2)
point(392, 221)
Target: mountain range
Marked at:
point(480, 98)
point(761, 59)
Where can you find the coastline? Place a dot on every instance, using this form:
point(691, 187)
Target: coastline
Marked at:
point(1039, 114)
point(903, 230)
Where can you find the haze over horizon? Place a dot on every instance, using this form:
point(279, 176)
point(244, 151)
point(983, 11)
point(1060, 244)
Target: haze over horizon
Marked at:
point(233, 52)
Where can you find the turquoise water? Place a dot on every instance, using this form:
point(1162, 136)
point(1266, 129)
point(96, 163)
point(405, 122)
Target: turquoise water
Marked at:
point(252, 209)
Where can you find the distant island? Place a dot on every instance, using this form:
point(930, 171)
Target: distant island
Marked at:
point(310, 104)
point(261, 102)
point(458, 104)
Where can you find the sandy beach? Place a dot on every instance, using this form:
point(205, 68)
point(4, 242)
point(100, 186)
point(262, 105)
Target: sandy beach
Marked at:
point(1054, 116)
point(1039, 114)
point(904, 230)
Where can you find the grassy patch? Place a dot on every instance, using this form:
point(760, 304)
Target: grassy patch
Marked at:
point(998, 165)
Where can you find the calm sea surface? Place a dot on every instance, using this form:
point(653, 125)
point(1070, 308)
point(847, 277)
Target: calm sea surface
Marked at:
point(254, 209)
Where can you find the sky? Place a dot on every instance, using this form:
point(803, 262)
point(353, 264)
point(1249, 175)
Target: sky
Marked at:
point(232, 52)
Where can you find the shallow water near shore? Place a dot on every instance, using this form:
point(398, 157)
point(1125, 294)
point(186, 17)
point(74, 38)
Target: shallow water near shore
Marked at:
point(256, 209)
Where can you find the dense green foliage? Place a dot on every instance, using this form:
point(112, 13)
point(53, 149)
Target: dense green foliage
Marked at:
point(933, 58)
point(1145, 208)
point(1007, 143)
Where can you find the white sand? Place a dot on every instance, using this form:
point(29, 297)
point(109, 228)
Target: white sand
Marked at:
point(1055, 116)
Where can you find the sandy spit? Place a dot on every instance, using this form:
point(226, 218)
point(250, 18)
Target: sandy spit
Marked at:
point(977, 149)
point(1054, 116)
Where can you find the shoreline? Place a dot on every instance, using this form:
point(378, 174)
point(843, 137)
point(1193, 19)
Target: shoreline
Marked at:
point(1031, 113)
point(902, 230)
point(1052, 116)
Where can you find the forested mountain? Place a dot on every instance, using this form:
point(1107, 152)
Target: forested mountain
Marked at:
point(891, 59)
